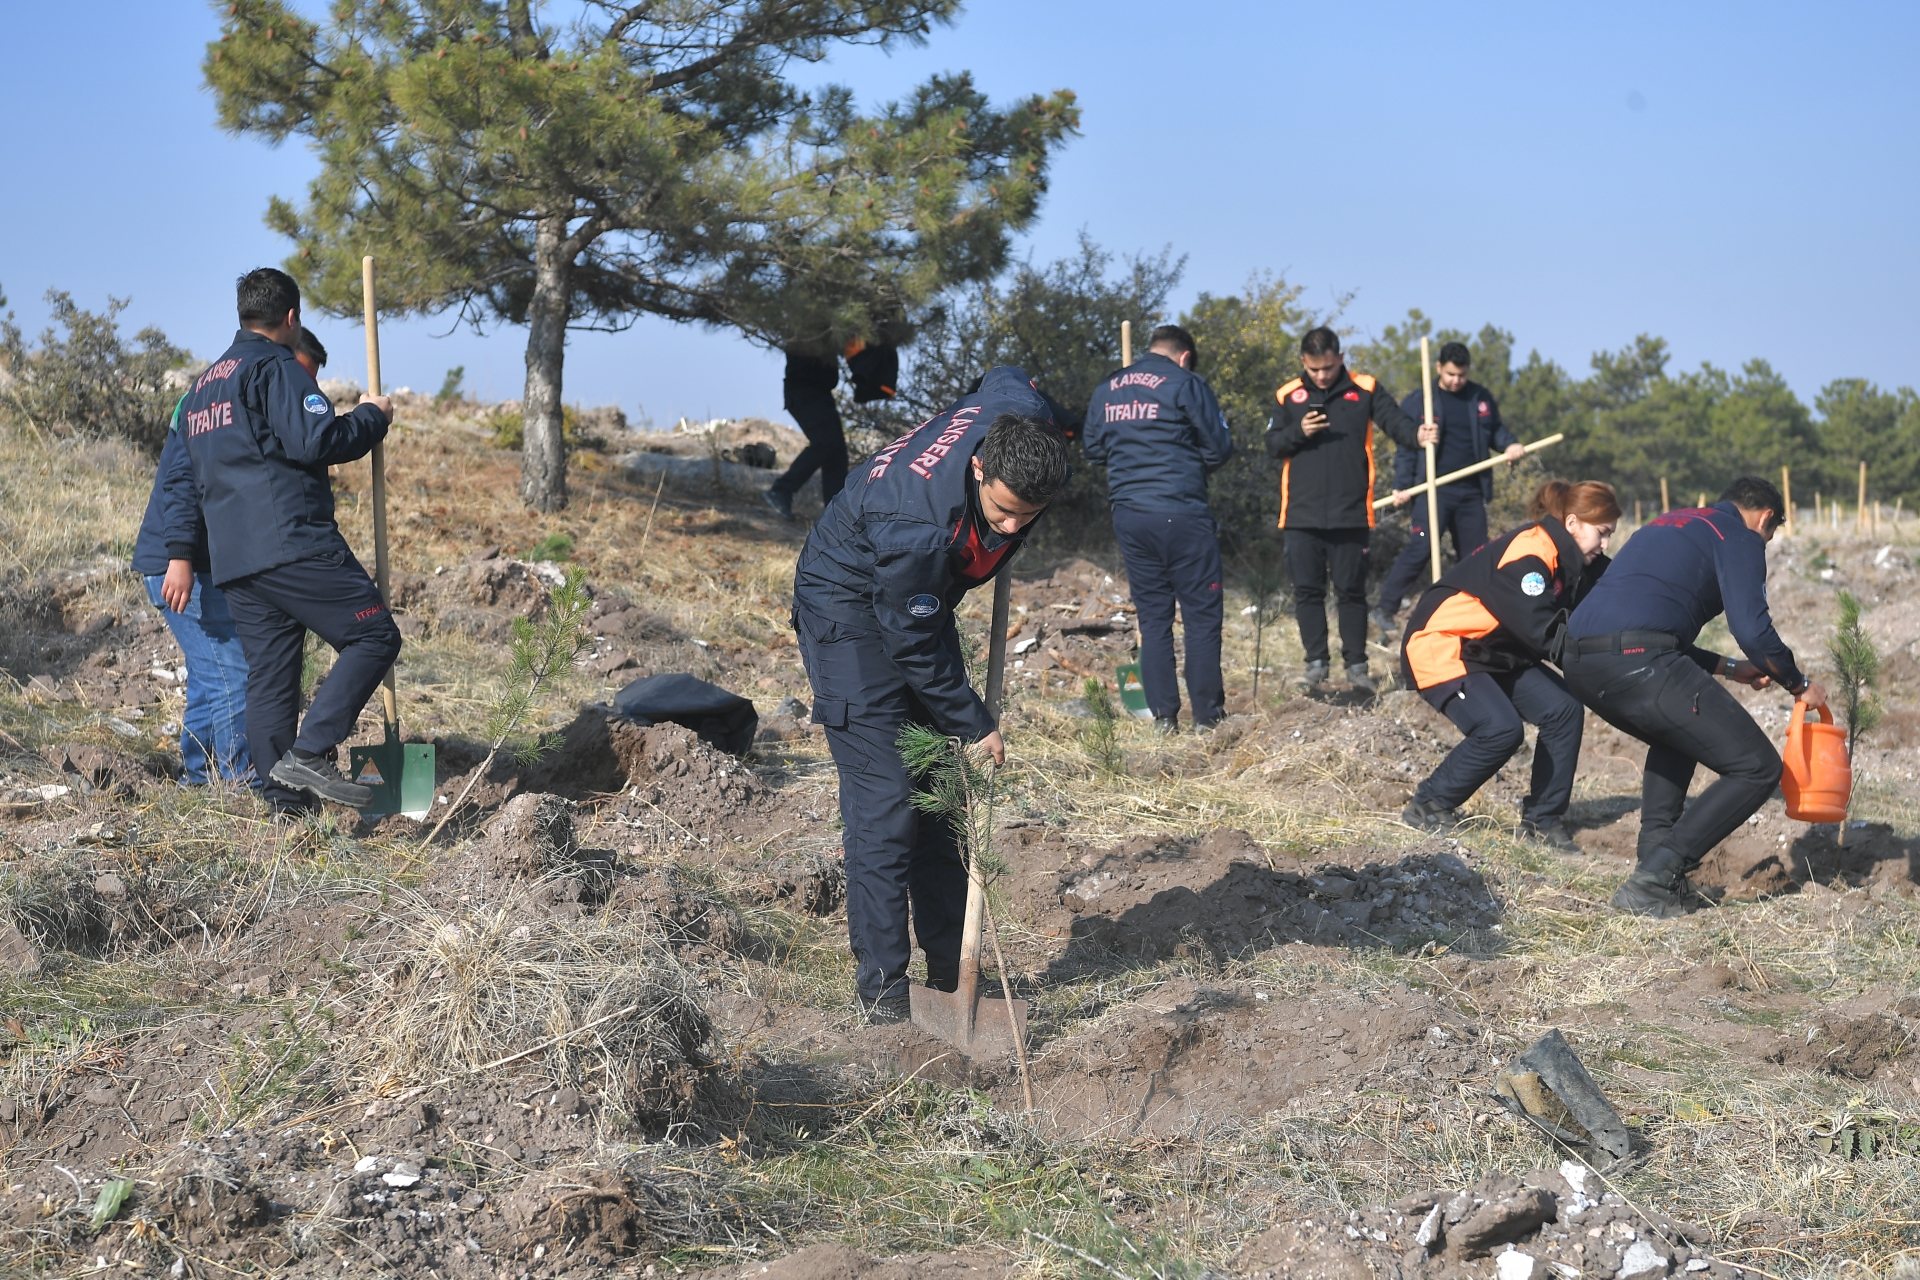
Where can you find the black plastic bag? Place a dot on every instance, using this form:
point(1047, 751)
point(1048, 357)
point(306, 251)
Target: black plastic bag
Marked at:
point(726, 720)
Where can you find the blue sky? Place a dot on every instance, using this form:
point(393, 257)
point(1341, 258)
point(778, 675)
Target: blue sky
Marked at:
point(1739, 178)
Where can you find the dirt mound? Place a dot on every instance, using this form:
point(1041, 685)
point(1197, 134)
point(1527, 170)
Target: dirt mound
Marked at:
point(1855, 1047)
point(94, 768)
point(837, 1262)
point(528, 849)
point(1222, 896)
point(1560, 1219)
point(1193, 1052)
point(1778, 855)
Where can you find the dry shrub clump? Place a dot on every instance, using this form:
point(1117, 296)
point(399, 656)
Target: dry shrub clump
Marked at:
point(600, 1001)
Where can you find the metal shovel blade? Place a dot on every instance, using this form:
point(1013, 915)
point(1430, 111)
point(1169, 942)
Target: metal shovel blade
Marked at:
point(944, 1014)
point(400, 773)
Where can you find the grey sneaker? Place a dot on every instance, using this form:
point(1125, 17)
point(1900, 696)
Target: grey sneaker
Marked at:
point(888, 1010)
point(781, 502)
point(1423, 815)
point(1312, 678)
point(1360, 680)
point(318, 776)
point(1387, 623)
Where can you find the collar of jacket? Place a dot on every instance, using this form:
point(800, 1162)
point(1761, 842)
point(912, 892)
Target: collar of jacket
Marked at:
point(254, 335)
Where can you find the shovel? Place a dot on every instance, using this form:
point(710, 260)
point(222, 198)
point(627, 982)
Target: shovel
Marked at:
point(400, 773)
point(978, 1025)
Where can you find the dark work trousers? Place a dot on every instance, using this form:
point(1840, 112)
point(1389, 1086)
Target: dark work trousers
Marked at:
point(826, 450)
point(1686, 718)
point(1175, 556)
point(899, 860)
point(1489, 710)
point(331, 596)
point(1462, 514)
point(1313, 557)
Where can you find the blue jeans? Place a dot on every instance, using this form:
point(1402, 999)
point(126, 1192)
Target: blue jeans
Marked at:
point(213, 732)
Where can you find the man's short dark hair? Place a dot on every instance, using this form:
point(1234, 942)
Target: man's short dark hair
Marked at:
point(1751, 493)
point(1456, 354)
point(309, 346)
point(266, 294)
point(1171, 335)
point(1028, 455)
point(1320, 342)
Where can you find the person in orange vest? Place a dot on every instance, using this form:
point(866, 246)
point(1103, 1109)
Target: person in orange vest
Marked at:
point(1474, 648)
point(1321, 434)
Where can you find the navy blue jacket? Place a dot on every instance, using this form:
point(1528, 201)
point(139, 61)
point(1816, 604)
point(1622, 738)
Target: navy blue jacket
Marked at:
point(1159, 431)
point(172, 522)
point(1471, 411)
point(1679, 571)
point(261, 436)
point(896, 549)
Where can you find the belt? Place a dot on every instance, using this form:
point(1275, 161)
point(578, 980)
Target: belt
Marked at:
point(1628, 642)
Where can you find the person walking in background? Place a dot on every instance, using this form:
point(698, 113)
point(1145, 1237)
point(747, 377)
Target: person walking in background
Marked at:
point(1474, 649)
point(260, 436)
point(1321, 433)
point(1629, 654)
point(1157, 428)
point(1470, 428)
point(807, 393)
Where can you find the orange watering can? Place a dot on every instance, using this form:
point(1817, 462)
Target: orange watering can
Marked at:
point(1818, 777)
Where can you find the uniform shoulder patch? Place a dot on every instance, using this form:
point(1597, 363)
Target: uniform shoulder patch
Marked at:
point(317, 403)
point(923, 606)
point(1486, 409)
point(1299, 395)
point(1534, 584)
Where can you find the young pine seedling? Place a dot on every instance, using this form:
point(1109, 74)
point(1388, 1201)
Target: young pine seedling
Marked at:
point(543, 651)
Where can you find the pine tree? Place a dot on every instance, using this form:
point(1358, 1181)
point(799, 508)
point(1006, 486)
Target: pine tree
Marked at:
point(640, 159)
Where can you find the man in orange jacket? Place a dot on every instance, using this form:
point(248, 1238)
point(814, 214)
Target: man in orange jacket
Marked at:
point(1321, 433)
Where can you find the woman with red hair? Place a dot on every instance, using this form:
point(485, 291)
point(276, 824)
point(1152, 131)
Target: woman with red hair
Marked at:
point(1475, 645)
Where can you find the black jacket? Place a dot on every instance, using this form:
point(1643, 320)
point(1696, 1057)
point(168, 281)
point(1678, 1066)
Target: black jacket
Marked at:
point(1497, 609)
point(1159, 431)
point(261, 436)
point(809, 381)
point(896, 549)
point(1486, 433)
point(1326, 480)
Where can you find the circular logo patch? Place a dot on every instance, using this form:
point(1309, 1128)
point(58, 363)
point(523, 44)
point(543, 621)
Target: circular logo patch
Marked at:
point(1534, 584)
point(923, 606)
point(317, 403)
point(1299, 395)
point(1485, 408)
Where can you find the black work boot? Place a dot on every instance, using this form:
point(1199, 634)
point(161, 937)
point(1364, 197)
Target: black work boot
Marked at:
point(1388, 624)
point(1166, 726)
point(1359, 679)
point(1655, 888)
point(1311, 678)
point(318, 776)
point(781, 501)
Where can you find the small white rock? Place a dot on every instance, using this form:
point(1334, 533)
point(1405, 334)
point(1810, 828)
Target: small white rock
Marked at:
point(1430, 1228)
point(1514, 1265)
point(1576, 1175)
point(1641, 1260)
point(367, 1164)
point(1698, 1264)
point(403, 1175)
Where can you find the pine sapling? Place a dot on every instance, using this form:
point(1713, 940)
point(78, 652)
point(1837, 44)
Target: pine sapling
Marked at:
point(958, 785)
point(542, 652)
point(1856, 665)
point(1101, 736)
point(1264, 582)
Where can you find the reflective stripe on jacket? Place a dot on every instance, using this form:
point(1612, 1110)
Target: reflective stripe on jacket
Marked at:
point(1326, 479)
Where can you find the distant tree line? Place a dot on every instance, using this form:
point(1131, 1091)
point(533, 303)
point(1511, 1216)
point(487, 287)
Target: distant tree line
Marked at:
point(1630, 420)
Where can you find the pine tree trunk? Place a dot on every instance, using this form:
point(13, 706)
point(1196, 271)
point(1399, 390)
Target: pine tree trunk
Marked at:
point(543, 457)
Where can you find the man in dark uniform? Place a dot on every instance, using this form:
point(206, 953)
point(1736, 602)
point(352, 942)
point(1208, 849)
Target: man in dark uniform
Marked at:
point(260, 436)
point(1629, 654)
point(1157, 428)
point(1321, 432)
point(1470, 428)
point(935, 514)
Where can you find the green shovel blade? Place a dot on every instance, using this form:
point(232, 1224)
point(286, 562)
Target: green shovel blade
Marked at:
point(1133, 694)
point(400, 774)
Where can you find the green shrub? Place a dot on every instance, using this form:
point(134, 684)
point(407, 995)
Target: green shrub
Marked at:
point(91, 381)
